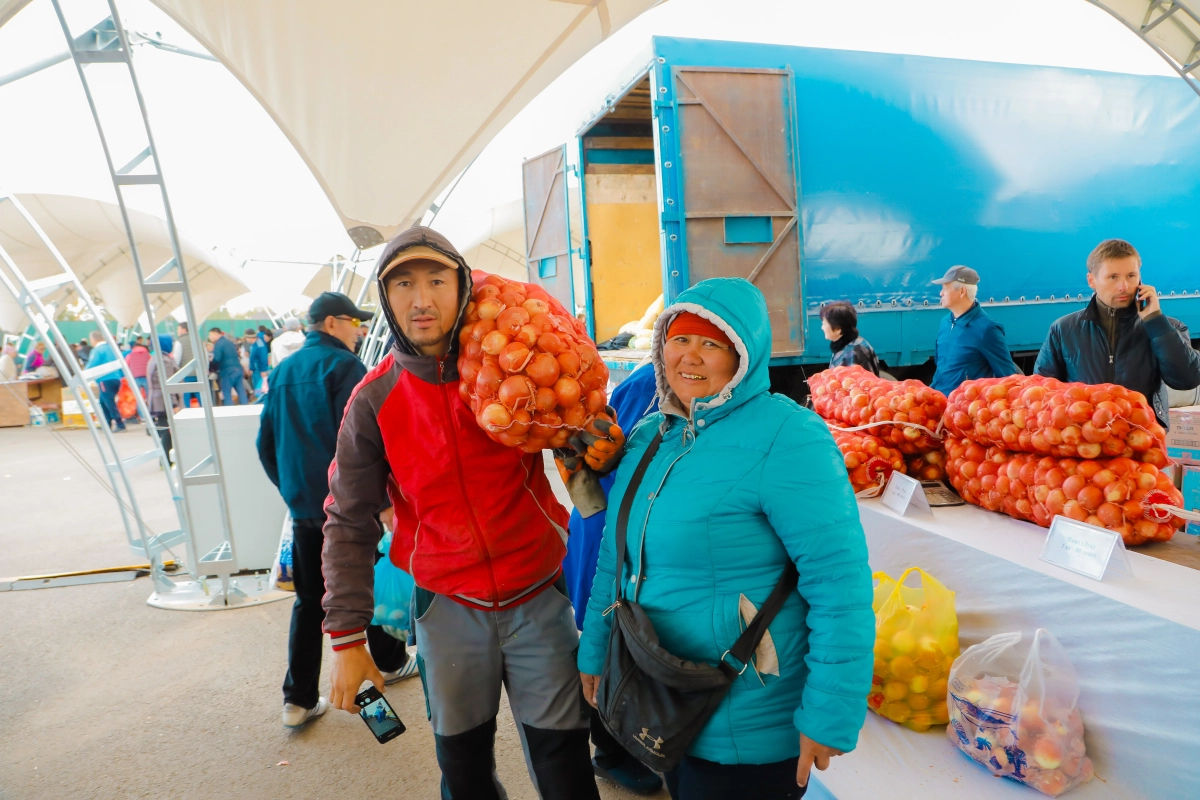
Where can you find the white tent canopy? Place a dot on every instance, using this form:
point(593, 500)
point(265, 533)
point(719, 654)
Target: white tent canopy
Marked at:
point(91, 238)
point(1171, 28)
point(341, 79)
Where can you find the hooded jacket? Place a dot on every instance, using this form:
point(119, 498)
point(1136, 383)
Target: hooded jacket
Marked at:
point(1148, 357)
point(750, 482)
point(475, 520)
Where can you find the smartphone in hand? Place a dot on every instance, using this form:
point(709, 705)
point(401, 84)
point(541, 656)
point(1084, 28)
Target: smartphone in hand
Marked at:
point(1141, 302)
point(378, 714)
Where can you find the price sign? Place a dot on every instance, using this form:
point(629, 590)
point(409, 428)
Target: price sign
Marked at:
point(903, 493)
point(1085, 549)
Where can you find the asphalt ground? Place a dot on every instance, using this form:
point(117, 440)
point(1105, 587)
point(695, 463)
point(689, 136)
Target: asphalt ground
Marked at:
point(102, 696)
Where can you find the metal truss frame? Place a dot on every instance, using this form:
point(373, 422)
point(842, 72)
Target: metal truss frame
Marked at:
point(1183, 23)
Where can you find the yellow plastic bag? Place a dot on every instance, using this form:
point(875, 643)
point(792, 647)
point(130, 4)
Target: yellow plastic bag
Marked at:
point(916, 641)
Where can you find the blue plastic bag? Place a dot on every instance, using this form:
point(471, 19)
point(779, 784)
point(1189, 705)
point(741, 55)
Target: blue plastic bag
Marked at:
point(281, 572)
point(393, 593)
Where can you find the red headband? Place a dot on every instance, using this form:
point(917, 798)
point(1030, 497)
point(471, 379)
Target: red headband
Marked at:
point(687, 323)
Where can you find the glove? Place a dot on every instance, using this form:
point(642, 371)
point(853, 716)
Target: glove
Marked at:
point(593, 452)
point(603, 442)
point(583, 484)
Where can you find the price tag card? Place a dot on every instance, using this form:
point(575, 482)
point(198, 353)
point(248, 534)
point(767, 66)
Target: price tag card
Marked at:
point(903, 493)
point(1085, 549)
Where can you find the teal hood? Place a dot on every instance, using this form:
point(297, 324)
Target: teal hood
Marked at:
point(737, 307)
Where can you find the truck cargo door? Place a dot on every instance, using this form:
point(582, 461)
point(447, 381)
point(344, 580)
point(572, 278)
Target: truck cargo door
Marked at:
point(740, 187)
point(547, 226)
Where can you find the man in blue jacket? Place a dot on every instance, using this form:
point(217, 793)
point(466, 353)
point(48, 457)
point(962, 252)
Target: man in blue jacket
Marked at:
point(228, 367)
point(1122, 336)
point(297, 440)
point(633, 399)
point(969, 344)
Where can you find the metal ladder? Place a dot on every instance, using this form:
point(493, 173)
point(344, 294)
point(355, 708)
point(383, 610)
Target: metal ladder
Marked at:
point(110, 46)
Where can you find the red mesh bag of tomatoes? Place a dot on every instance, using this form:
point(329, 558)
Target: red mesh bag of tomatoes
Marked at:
point(853, 397)
point(1035, 414)
point(929, 466)
point(527, 368)
point(869, 461)
point(1119, 494)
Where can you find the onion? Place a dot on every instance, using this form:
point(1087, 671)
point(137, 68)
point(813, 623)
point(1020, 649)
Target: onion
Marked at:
point(568, 391)
point(495, 417)
point(545, 424)
point(559, 439)
point(550, 343)
point(542, 322)
point(472, 351)
point(521, 420)
point(513, 357)
point(468, 370)
point(489, 308)
point(495, 280)
point(528, 335)
point(574, 416)
point(568, 361)
point(533, 445)
point(488, 381)
point(545, 399)
point(543, 369)
point(535, 306)
point(511, 319)
point(595, 401)
point(516, 392)
point(511, 297)
point(482, 328)
point(596, 378)
point(494, 343)
point(486, 291)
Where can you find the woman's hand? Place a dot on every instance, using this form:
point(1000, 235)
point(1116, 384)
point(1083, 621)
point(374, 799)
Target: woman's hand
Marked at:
point(590, 684)
point(812, 753)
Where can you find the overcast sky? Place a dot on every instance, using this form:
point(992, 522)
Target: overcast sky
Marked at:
point(237, 184)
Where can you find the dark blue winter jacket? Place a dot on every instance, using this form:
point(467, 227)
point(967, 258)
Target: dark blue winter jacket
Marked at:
point(224, 360)
point(298, 434)
point(633, 399)
point(969, 347)
point(1149, 355)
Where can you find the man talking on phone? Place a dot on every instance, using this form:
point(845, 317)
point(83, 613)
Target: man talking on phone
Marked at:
point(1122, 336)
point(478, 528)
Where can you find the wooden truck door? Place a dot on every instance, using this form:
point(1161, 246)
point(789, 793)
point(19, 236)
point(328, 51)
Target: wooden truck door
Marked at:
point(740, 186)
point(547, 226)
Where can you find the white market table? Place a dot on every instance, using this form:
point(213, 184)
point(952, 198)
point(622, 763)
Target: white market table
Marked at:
point(1134, 642)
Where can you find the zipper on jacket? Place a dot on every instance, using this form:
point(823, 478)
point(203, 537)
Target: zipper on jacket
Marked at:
point(462, 483)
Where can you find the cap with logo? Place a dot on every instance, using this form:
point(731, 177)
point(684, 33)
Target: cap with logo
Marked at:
point(959, 274)
point(335, 304)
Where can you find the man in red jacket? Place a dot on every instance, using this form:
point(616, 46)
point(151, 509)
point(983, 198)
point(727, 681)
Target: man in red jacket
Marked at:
point(476, 525)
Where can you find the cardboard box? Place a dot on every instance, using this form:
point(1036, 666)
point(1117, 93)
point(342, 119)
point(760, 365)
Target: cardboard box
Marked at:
point(1183, 440)
point(1191, 495)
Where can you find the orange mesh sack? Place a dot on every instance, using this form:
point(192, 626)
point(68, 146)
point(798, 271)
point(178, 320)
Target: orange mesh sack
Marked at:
point(853, 396)
point(527, 368)
point(869, 461)
point(1035, 414)
point(929, 466)
point(1119, 494)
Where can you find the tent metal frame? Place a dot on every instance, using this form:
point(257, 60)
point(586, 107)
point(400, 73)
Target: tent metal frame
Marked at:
point(170, 278)
point(1173, 13)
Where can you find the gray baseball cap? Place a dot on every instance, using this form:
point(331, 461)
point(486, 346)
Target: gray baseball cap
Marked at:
point(960, 274)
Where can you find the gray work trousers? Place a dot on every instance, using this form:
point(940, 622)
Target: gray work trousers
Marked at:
point(466, 655)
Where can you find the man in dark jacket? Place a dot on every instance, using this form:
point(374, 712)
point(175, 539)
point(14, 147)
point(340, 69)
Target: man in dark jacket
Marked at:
point(478, 528)
point(228, 367)
point(1122, 336)
point(296, 443)
point(970, 344)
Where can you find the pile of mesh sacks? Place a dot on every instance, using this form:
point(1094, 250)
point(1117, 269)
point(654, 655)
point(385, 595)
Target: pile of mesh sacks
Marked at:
point(1034, 447)
point(881, 426)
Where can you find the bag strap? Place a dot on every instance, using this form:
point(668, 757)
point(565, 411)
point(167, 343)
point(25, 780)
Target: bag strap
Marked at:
point(627, 504)
point(747, 643)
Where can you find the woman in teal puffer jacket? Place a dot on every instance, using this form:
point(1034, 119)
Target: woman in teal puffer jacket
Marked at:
point(743, 481)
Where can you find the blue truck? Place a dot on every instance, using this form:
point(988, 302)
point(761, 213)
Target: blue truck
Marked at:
point(837, 175)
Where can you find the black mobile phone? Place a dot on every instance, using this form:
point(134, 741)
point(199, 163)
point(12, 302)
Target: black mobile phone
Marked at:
point(1141, 304)
point(378, 714)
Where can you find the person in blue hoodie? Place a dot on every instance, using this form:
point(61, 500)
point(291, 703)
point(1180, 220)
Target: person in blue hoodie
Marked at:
point(970, 344)
point(109, 383)
point(634, 398)
point(743, 482)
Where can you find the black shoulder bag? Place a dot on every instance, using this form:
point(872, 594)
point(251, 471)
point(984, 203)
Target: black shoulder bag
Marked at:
point(652, 702)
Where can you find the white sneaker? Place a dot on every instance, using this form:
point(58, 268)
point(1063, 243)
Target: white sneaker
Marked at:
point(407, 671)
point(294, 716)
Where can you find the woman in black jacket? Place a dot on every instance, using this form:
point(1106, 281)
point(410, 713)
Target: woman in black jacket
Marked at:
point(839, 323)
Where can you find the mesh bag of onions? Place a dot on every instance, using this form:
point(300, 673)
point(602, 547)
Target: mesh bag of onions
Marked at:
point(1034, 414)
point(869, 462)
point(854, 397)
point(527, 368)
point(1119, 494)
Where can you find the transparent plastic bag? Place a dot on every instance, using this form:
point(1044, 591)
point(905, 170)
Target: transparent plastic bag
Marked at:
point(281, 572)
point(916, 640)
point(1013, 709)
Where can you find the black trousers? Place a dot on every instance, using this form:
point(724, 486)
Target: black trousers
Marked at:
point(697, 779)
point(164, 430)
point(306, 639)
